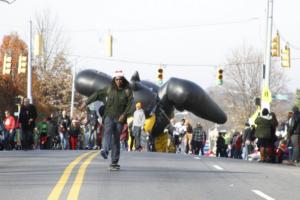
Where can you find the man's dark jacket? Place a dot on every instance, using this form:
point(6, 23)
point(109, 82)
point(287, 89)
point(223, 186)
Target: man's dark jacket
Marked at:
point(26, 113)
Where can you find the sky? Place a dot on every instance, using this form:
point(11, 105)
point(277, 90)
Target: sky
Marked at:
point(189, 38)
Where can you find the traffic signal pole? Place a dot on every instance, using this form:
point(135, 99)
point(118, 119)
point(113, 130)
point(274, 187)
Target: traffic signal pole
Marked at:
point(266, 78)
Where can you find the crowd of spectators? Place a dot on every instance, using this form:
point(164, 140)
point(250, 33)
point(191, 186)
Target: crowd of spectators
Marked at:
point(24, 132)
point(265, 141)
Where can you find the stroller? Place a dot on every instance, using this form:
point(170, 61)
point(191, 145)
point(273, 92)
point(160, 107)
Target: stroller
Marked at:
point(56, 144)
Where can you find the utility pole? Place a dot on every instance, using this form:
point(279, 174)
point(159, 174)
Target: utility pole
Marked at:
point(266, 93)
point(29, 71)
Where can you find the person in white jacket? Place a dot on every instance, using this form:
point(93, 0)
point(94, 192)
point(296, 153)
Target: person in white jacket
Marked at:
point(138, 123)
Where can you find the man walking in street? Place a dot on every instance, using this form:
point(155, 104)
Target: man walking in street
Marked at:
point(118, 97)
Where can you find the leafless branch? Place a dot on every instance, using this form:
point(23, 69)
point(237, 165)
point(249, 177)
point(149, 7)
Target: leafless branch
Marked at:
point(243, 82)
point(9, 2)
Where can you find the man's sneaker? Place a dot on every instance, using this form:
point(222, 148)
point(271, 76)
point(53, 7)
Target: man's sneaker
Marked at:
point(103, 153)
point(114, 167)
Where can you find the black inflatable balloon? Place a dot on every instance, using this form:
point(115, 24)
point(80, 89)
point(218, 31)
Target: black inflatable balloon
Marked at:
point(89, 81)
point(175, 93)
point(186, 95)
point(152, 86)
point(143, 94)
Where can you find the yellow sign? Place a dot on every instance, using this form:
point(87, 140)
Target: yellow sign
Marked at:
point(254, 116)
point(266, 95)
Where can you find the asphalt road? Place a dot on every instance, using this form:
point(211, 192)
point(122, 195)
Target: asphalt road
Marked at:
point(36, 175)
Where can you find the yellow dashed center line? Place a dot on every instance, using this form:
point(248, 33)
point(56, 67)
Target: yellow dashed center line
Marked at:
point(56, 192)
point(74, 192)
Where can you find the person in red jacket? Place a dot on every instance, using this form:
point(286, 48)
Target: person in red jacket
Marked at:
point(74, 133)
point(9, 130)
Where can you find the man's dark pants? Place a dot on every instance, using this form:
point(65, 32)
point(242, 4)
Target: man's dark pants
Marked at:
point(111, 138)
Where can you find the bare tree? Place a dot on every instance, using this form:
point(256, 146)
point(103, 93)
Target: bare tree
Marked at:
point(52, 66)
point(53, 41)
point(243, 82)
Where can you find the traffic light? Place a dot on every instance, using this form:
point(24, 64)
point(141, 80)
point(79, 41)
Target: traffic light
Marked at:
point(6, 64)
point(109, 41)
point(275, 52)
point(285, 57)
point(220, 76)
point(22, 64)
point(38, 44)
point(160, 76)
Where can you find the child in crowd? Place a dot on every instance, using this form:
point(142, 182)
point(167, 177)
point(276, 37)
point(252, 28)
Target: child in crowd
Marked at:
point(138, 123)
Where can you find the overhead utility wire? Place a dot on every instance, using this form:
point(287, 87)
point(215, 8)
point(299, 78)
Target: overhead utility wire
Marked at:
point(187, 26)
point(285, 40)
point(167, 27)
point(154, 63)
point(136, 62)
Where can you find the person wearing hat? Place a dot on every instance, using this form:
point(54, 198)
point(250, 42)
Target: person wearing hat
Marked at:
point(118, 100)
point(263, 133)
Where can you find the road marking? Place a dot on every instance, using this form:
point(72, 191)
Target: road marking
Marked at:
point(74, 192)
point(56, 192)
point(197, 158)
point(263, 195)
point(218, 167)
